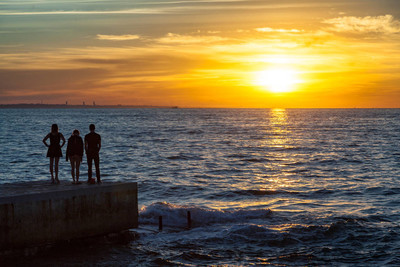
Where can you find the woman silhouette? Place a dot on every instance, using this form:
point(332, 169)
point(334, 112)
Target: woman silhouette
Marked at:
point(74, 154)
point(54, 151)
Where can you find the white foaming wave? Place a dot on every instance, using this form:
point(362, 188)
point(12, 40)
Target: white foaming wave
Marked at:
point(176, 215)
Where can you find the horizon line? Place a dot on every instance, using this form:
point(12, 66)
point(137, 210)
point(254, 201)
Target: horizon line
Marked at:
point(66, 106)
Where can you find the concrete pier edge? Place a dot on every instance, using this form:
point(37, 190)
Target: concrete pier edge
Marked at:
point(67, 213)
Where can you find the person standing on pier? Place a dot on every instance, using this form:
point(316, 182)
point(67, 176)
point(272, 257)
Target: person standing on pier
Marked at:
point(54, 150)
point(75, 154)
point(92, 148)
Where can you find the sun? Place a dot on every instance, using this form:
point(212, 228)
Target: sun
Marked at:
point(277, 80)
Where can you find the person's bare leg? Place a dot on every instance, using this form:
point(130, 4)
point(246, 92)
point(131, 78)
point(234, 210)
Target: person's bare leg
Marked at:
point(51, 169)
point(89, 163)
point(78, 163)
point(56, 160)
point(71, 160)
point(97, 166)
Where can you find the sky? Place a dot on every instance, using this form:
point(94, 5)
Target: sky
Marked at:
point(202, 53)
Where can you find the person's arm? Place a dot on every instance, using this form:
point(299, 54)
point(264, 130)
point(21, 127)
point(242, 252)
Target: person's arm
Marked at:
point(81, 148)
point(63, 139)
point(45, 139)
point(86, 145)
point(99, 144)
point(68, 150)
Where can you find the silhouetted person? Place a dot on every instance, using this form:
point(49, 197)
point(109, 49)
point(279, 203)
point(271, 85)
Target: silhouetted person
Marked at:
point(92, 148)
point(75, 154)
point(54, 150)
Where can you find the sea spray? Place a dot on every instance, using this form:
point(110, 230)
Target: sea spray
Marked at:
point(175, 215)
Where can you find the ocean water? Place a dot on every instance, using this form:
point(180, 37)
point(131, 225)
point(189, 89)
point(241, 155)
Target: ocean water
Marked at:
point(280, 187)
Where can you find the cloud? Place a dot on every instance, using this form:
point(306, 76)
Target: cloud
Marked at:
point(94, 7)
point(267, 29)
point(33, 82)
point(91, 12)
point(10, 45)
point(379, 24)
point(172, 38)
point(124, 37)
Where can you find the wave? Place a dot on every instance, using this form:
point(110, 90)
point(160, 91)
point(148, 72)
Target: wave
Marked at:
point(176, 215)
point(35, 154)
point(265, 229)
point(391, 191)
point(345, 231)
point(182, 156)
point(261, 234)
point(256, 160)
point(160, 140)
point(18, 161)
point(375, 190)
point(265, 192)
point(238, 155)
point(195, 132)
point(248, 158)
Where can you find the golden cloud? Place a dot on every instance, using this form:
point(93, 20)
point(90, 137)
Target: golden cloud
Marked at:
point(172, 38)
point(124, 37)
point(268, 29)
point(379, 24)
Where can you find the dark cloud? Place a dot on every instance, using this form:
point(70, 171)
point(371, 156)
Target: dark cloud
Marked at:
point(46, 81)
point(151, 62)
point(98, 61)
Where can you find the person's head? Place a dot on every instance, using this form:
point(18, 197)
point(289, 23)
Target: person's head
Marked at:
point(92, 127)
point(54, 128)
point(75, 132)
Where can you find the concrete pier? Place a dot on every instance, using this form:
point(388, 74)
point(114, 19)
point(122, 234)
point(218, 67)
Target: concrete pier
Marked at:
point(52, 213)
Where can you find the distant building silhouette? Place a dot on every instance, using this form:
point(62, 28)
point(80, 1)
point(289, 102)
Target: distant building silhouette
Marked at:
point(83, 104)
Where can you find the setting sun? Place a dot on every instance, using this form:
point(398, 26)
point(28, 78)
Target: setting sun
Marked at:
point(155, 54)
point(277, 80)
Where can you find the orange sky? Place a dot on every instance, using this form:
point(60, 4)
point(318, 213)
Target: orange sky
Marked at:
point(226, 53)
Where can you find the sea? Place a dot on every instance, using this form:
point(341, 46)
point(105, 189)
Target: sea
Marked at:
point(279, 187)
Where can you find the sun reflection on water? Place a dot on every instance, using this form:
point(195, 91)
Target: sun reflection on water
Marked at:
point(277, 143)
point(272, 179)
point(278, 130)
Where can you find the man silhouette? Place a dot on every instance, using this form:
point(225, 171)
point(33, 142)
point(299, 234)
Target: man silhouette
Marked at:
point(92, 148)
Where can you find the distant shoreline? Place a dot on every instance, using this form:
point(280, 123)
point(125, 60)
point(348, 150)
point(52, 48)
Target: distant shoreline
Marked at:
point(64, 106)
